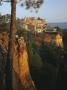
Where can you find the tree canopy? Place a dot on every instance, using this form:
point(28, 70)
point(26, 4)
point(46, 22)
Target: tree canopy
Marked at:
point(28, 3)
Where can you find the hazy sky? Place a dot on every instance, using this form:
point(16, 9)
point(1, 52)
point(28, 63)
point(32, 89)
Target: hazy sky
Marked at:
point(51, 10)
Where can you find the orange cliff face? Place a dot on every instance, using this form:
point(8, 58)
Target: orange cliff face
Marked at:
point(21, 67)
point(59, 40)
point(5, 39)
point(47, 38)
point(0, 38)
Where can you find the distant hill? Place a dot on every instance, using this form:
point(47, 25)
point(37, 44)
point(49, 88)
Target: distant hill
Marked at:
point(60, 24)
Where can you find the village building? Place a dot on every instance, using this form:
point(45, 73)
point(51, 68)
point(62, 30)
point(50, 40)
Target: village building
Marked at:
point(33, 24)
point(0, 38)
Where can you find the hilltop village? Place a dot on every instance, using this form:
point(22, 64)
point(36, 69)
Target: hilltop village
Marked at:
point(35, 26)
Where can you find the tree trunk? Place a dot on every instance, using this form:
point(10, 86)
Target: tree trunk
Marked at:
point(26, 82)
point(10, 55)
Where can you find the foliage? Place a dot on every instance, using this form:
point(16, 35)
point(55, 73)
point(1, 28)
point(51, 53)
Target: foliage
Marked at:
point(4, 27)
point(28, 3)
point(50, 54)
point(65, 36)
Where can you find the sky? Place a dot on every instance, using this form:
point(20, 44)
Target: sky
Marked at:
point(51, 10)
